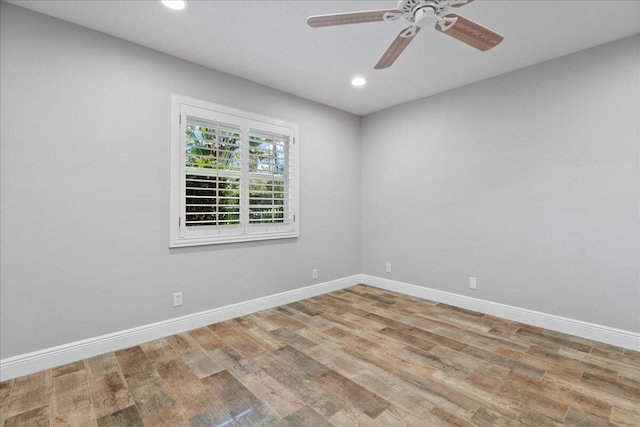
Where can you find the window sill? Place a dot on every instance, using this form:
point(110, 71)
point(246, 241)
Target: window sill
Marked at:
point(201, 241)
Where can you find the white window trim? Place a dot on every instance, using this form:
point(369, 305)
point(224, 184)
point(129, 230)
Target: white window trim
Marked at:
point(244, 232)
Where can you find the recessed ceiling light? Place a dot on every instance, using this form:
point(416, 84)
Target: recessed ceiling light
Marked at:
point(358, 81)
point(175, 4)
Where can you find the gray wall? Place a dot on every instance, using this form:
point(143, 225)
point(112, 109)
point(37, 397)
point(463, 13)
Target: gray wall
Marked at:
point(85, 189)
point(528, 181)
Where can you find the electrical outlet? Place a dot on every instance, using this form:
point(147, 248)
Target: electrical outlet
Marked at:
point(472, 283)
point(387, 267)
point(177, 299)
point(314, 273)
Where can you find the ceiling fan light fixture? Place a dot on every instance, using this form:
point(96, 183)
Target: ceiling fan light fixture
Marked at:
point(359, 81)
point(175, 4)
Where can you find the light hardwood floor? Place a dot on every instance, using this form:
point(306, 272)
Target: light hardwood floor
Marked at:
point(355, 357)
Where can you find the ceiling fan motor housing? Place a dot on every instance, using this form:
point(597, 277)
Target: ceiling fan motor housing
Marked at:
point(419, 11)
point(415, 10)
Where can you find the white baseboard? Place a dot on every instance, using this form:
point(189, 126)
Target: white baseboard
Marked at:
point(24, 364)
point(592, 331)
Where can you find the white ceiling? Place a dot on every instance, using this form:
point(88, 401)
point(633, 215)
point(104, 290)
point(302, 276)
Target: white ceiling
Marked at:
point(270, 43)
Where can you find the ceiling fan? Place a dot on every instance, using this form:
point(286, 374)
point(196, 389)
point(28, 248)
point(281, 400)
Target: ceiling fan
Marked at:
point(419, 13)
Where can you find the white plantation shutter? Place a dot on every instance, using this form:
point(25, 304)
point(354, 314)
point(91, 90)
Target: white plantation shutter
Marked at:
point(269, 175)
point(212, 173)
point(234, 175)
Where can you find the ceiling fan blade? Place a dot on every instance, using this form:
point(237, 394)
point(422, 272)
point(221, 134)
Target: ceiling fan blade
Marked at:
point(471, 33)
point(461, 4)
point(353, 18)
point(396, 48)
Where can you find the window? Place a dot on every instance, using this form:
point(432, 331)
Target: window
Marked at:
point(233, 175)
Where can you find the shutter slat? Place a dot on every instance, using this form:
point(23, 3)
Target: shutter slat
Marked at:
point(222, 197)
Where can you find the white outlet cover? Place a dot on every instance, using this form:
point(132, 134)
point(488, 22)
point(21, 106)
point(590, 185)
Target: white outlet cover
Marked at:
point(177, 299)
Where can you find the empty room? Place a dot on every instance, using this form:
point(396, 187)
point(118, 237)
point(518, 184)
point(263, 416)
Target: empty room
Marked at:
point(320, 213)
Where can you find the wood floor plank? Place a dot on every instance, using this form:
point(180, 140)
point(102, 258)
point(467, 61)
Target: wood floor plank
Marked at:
point(133, 361)
point(629, 378)
point(408, 339)
point(577, 418)
point(233, 335)
point(67, 369)
point(29, 393)
point(411, 401)
point(351, 417)
point(531, 418)
point(82, 417)
point(623, 418)
point(292, 313)
point(440, 395)
point(551, 367)
point(631, 405)
point(359, 356)
point(305, 308)
point(274, 395)
point(340, 361)
point(200, 362)
point(38, 417)
point(462, 389)
point(553, 341)
point(5, 394)
point(307, 365)
point(191, 395)
point(214, 416)
point(435, 338)
point(101, 365)
point(293, 339)
point(282, 320)
point(69, 392)
point(359, 397)
point(172, 417)
point(166, 361)
point(601, 361)
point(469, 362)
point(446, 418)
point(149, 393)
point(235, 396)
point(109, 393)
point(260, 320)
point(395, 417)
point(228, 358)
point(513, 365)
point(523, 390)
point(390, 361)
point(614, 387)
point(438, 363)
point(483, 381)
point(207, 339)
point(154, 345)
point(305, 416)
point(125, 417)
point(268, 341)
point(374, 379)
point(309, 392)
